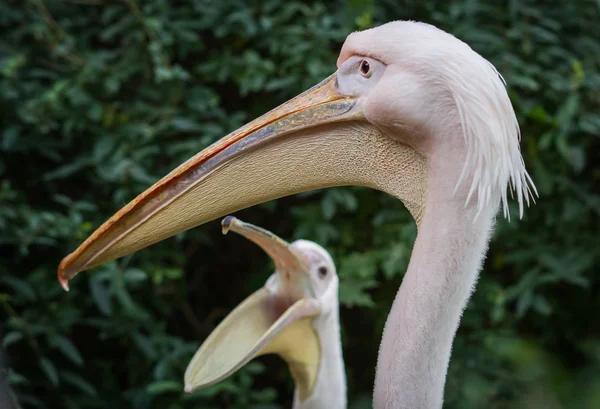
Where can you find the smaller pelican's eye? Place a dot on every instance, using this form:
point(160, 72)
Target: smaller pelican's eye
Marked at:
point(365, 68)
point(322, 271)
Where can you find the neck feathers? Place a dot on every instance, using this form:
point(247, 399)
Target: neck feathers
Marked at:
point(417, 340)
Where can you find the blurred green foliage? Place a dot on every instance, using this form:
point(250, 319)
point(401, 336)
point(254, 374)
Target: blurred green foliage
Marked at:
point(100, 98)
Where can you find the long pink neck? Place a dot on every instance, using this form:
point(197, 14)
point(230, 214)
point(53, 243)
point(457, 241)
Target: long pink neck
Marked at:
point(418, 335)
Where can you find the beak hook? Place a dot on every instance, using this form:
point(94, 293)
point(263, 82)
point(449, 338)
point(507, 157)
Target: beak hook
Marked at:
point(226, 223)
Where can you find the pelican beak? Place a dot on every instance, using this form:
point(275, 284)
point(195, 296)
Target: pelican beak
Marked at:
point(292, 270)
point(317, 139)
point(275, 319)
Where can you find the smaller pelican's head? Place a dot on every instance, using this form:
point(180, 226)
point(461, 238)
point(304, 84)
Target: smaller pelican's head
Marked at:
point(278, 318)
point(318, 275)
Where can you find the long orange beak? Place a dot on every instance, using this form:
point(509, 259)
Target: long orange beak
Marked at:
point(128, 230)
point(317, 139)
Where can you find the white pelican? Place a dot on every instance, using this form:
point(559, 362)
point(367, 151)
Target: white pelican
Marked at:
point(412, 111)
point(295, 315)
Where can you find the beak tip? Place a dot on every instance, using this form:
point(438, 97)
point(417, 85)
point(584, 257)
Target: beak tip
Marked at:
point(226, 223)
point(64, 284)
point(62, 276)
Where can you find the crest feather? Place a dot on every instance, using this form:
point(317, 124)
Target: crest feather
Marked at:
point(492, 136)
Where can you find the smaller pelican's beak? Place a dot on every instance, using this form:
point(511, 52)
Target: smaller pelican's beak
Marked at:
point(275, 319)
point(292, 270)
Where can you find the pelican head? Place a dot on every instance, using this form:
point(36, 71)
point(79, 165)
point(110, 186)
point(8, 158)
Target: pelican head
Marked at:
point(295, 315)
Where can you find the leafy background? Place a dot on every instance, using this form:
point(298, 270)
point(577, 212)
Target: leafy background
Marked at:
point(99, 98)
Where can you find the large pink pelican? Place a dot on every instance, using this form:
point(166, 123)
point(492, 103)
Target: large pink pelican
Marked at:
point(411, 111)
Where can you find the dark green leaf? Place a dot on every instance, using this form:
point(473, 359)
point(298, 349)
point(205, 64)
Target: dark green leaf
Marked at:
point(49, 370)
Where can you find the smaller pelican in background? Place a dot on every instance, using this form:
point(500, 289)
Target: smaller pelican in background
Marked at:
point(295, 315)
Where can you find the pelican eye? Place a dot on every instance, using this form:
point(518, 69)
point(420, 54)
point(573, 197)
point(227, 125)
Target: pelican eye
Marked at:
point(365, 68)
point(322, 271)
